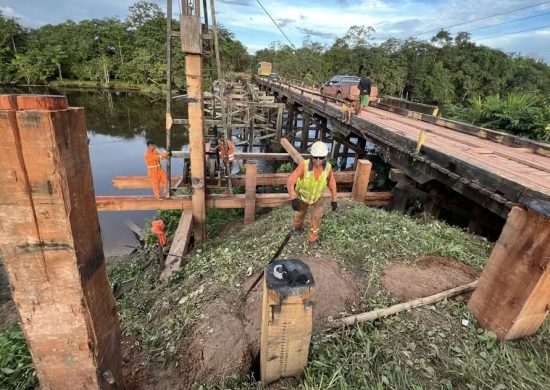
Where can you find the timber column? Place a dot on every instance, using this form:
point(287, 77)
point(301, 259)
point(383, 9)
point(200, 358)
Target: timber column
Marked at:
point(51, 244)
point(191, 45)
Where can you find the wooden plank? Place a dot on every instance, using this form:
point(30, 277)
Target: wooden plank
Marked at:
point(250, 194)
point(51, 246)
point(248, 156)
point(361, 180)
point(135, 182)
point(131, 202)
point(513, 295)
point(262, 179)
point(193, 73)
point(291, 150)
point(179, 247)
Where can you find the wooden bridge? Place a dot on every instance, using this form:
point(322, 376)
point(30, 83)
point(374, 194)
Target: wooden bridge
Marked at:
point(495, 170)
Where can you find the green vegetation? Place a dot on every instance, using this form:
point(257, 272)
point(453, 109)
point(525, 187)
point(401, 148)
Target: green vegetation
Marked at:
point(422, 348)
point(426, 348)
point(101, 52)
point(523, 114)
point(16, 368)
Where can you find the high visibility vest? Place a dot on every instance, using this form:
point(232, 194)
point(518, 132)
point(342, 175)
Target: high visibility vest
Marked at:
point(310, 189)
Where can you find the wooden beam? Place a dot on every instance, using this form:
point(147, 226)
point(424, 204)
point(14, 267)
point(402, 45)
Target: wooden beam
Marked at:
point(179, 247)
point(51, 245)
point(361, 180)
point(193, 73)
point(135, 182)
point(513, 295)
point(247, 156)
point(250, 194)
point(291, 150)
point(262, 179)
point(130, 202)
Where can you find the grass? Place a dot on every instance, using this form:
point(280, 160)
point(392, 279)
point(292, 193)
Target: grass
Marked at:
point(426, 348)
point(16, 368)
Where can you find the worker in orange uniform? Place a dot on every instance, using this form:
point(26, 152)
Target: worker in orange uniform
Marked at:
point(227, 149)
point(306, 186)
point(158, 228)
point(157, 175)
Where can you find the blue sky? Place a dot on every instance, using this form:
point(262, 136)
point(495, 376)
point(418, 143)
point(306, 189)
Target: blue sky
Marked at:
point(323, 20)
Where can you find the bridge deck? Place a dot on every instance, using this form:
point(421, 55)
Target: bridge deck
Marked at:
point(501, 171)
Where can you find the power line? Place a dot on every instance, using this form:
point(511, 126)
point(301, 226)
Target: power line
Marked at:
point(512, 33)
point(509, 21)
point(484, 18)
point(275, 23)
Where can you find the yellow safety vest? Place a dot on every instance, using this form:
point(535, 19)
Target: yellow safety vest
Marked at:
point(310, 189)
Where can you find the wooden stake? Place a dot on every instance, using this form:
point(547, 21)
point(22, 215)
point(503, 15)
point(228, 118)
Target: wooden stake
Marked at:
point(51, 245)
point(379, 313)
point(250, 194)
point(513, 296)
point(361, 181)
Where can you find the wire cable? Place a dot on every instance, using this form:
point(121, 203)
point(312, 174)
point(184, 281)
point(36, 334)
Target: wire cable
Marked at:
point(275, 23)
point(509, 21)
point(484, 18)
point(512, 33)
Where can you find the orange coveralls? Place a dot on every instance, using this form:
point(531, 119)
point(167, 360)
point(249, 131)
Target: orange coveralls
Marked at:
point(317, 208)
point(230, 150)
point(157, 175)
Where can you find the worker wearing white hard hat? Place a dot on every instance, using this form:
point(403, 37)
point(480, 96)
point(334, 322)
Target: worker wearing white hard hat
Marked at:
point(306, 186)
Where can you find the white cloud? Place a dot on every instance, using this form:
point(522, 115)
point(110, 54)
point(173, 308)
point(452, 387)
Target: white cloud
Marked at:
point(8, 11)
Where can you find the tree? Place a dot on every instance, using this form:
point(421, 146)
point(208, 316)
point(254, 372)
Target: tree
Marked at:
point(143, 12)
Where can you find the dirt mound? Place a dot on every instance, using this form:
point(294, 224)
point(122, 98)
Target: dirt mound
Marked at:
point(428, 275)
point(217, 347)
point(335, 290)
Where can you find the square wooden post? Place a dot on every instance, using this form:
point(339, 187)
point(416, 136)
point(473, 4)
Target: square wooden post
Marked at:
point(287, 321)
point(51, 244)
point(361, 180)
point(250, 194)
point(512, 297)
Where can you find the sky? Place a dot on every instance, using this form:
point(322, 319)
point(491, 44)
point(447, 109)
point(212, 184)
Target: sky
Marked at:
point(504, 25)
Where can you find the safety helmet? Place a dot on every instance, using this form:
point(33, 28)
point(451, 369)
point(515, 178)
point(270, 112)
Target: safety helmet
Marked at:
point(319, 149)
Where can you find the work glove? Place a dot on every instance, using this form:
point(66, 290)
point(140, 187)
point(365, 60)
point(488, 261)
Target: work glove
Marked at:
point(296, 204)
point(334, 205)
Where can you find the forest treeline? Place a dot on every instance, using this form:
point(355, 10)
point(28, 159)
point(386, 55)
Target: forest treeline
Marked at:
point(471, 82)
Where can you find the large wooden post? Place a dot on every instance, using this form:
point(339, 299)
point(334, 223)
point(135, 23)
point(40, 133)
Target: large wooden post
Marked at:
point(512, 297)
point(191, 46)
point(51, 244)
point(361, 180)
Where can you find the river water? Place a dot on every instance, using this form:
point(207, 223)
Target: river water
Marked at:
point(119, 125)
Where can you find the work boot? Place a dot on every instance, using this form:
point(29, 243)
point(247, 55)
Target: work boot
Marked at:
point(299, 231)
point(314, 244)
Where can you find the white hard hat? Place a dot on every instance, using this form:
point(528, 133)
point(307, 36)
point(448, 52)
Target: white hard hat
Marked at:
point(319, 149)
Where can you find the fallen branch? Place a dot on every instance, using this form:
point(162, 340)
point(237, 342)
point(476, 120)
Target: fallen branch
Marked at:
point(379, 313)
